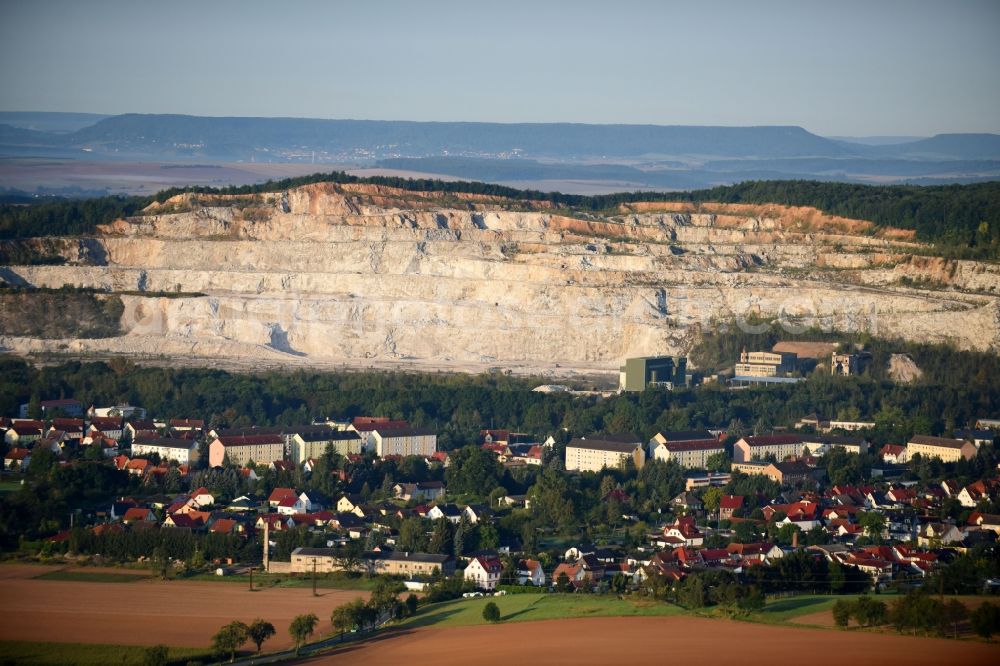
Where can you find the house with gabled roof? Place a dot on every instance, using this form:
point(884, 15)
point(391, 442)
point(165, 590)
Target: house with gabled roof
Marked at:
point(421, 491)
point(728, 505)
point(530, 572)
point(17, 459)
point(939, 534)
point(449, 512)
point(138, 466)
point(985, 521)
point(279, 494)
point(984, 489)
point(484, 572)
point(139, 514)
point(682, 532)
point(893, 454)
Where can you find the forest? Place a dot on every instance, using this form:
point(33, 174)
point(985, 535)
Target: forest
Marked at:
point(963, 220)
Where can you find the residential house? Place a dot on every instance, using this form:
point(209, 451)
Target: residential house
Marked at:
point(278, 495)
point(978, 436)
point(138, 466)
point(893, 454)
point(111, 426)
point(971, 495)
point(728, 505)
point(682, 532)
point(422, 491)
point(17, 459)
point(939, 534)
point(22, 434)
point(186, 425)
point(484, 572)
point(66, 406)
point(477, 513)
point(599, 451)
point(985, 521)
point(688, 500)
point(74, 428)
point(202, 496)
point(530, 572)
point(449, 512)
point(139, 515)
point(573, 571)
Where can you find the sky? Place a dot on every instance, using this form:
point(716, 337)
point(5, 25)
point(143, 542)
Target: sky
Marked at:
point(843, 68)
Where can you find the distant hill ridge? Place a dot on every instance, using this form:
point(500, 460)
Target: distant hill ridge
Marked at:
point(242, 137)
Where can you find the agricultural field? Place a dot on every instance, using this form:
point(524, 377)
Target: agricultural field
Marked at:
point(179, 614)
point(596, 641)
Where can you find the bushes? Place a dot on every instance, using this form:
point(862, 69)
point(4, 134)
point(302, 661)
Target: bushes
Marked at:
point(491, 612)
point(522, 589)
point(919, 612)
point(985, 620)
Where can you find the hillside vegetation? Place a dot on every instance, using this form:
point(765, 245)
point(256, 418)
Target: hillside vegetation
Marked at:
point(59, 314)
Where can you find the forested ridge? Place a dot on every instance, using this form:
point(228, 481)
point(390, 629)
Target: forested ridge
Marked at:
point(958, 387)
point(963, 220)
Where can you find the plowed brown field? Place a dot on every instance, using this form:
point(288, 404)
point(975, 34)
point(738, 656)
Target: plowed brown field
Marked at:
point(648, 640)
point(148, 612)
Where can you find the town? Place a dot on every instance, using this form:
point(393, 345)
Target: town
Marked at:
point(375, 494)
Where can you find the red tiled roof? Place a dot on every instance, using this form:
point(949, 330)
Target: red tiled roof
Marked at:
point(731, 502)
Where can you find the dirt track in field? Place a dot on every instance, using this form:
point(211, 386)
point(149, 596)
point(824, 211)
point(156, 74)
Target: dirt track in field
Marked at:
point(148, 612)
point(647, 640)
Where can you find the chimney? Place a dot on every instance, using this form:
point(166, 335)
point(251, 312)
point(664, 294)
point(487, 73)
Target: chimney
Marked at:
point(267, 535)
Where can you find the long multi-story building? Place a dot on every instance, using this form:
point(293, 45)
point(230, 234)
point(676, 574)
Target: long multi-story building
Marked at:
point(759, 447)
point(945, 448)
point(689, 449)
point(184, 451)
point(312, 443)
point(766, 364)
point(600, 451)
point(404, 442)
point(241, 449)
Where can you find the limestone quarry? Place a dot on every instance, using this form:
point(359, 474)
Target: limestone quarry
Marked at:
point(360, 275)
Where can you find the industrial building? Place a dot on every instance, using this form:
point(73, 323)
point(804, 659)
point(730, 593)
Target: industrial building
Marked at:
point(639, 373)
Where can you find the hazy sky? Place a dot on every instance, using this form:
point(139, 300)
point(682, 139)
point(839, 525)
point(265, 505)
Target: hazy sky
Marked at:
point(844, 67)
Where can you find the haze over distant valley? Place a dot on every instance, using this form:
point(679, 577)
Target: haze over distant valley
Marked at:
point(76, 154)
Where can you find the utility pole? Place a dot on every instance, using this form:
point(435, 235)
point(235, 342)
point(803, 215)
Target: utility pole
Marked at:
point(251, 579)
point(314, 577)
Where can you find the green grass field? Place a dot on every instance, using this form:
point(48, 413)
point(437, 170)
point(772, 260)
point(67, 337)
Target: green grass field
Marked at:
point(16, 653)
point(532, 607)
point(92, 576)
point(9, 486)
point(333, 582)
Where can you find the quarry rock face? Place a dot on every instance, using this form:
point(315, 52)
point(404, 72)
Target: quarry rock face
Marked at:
point(362, 275)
